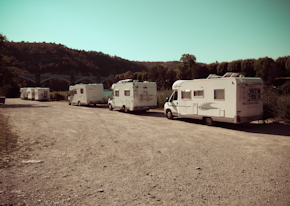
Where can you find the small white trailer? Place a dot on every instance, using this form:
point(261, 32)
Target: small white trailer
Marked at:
point(23, 93)
point(41, 93)
point(86, 94)
point(129, 95)
point(30, 93)
point(231, 98)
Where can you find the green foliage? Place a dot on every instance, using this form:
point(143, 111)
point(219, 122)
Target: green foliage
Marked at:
point(267, 69)
point(235, 66)
point(276, 105)
point(161, 97)
point(247, 67)
point(212, 68)
point(222, 68)
point(283, 105)
point(270, 103)
point(59, 95)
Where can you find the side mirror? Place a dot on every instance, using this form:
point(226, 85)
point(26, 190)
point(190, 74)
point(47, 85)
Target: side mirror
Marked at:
point(167, 99)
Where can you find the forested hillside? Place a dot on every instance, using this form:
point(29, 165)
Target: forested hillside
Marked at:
point(50, 58)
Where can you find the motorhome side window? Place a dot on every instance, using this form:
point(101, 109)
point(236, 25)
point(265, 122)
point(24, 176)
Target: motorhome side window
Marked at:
point(116, 93)
point(255, 94)
point(82, 91)
point(219, 94)
point(186, 94)
point(198, 93)
point(127, 92)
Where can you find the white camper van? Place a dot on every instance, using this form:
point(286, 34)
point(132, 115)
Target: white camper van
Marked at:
point(86, 94)
point(129, 95)
point(41, 93)
point(23, 93)
point(230, 98)
point(30, 93)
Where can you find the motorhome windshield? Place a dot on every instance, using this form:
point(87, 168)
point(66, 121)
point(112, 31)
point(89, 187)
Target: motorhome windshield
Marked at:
point(173, 96)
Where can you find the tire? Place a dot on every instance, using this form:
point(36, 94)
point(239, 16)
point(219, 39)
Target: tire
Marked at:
point(110, 107)
point(79, 103)
point(169, 114)
point(208, 121)
point(124, 109)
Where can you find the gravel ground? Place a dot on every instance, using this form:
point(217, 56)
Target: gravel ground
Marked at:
point(71, 155)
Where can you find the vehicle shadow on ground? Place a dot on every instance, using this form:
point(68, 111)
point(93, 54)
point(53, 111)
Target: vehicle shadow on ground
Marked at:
point(149, 114)
point(93, 106)
point(21, 105)
point(274, 128)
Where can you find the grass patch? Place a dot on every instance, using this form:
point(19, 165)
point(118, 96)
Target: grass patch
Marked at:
point(8, 141)
point(59, 95)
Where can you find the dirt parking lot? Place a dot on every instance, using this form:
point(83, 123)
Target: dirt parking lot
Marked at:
point(71, 155)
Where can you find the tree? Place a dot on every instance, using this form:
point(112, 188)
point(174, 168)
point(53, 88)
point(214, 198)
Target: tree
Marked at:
point(222, 68)
point(267, 69)
point(185, 68)
point(247, 67)
point(212, 68)
point(281, 62)
point(170, 78)
point(287, 66)
point(188, 59)
point(234, 66)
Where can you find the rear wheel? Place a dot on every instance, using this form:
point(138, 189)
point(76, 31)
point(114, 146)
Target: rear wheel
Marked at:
point(125, 109)
point(169, 114)
point(208, 121)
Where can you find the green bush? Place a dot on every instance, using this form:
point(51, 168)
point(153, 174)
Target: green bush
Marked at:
point(270, 103)
point(276, 105)
point(161, 97)
point(58, 96)
point(283, 108)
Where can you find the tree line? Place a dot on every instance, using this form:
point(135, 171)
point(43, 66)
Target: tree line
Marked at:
point(266, 68)
point(50, 58)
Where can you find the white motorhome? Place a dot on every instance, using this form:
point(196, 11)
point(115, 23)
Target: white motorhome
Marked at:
point(86, 94)
point(129, 95)
point(41, 93)
point(30, 93)
point(23, 93)
point(231, 98)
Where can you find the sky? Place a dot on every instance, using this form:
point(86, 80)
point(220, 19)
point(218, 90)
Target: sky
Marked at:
point(154, 30)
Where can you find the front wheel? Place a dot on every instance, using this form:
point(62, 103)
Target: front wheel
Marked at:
point(110, 107)
point(208, 121)
point(169, 114)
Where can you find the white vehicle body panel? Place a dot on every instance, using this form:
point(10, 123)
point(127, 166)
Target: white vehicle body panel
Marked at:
point(30, 93)
point(235, 99)
point(23, 93)
point(133, 95)
point(86, 94)
point(42, 93)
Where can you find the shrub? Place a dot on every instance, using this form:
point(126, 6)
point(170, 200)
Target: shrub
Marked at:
point(283, 108)
point(58, 96)
point(270, 103)
point(161, 97)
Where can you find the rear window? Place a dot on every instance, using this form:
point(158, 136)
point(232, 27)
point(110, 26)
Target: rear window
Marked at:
point(255, 94)
point(127, 92)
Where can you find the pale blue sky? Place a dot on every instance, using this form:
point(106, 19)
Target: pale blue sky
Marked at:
point(154, 30)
